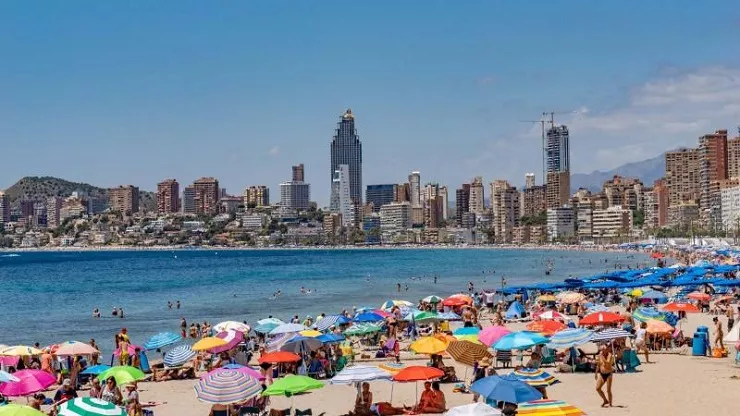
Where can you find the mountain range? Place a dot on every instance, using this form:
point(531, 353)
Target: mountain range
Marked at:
point(646, 170)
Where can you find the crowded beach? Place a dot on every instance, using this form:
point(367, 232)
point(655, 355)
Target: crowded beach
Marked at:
point(629, 341)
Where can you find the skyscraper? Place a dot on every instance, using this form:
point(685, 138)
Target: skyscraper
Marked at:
point(462, 203)
point(682, 174)
point(477, 196)
point(529, 180)
point(379, 195)
point(207, 194)
point(443, 194)
point(506, 210)
point(298, 173)
point(713, 168)
point(415, 189)
point(124, 199)
point(168, 196)
point(188, 200)
point(558, 149)
point(340, 190)
point(4, 208)
point(346, 149)
point(257, 196)
point(295, 195)
point(733, 157)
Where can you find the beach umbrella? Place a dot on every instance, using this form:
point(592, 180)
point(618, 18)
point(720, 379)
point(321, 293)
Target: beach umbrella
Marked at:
point(423, 317)
point(519, 341)
point(12, 409)
point(359, 374)
point(279, 357)
point(331, 320)
point(470, 338)
point(86, 406)
point(179, 356)
point(20, 351)
point(535, 377)
point(5, 377)
point(368, 317)
point(292, 384)
point(208, 343)
point(432, 299)
point(311, 333)
point(232, 338)
point(29, 382)
point(265, 328)
point(699, 296)
point(232, 326)
point(301, 345)
point(123, 374)
point(492, 334)
point(473, 409)
point(388, 305)
point(547, 298)
point(454, 302)
point(394, 367)
point(601, 318)
point(500, 389)
point(655, 326)
point(444, 337)
point(162, 339)
point(96, 369)
point(570, 297)
point(418, 373)
point(330, 338)
point(270, 321)
point(609, 334)
point(226, 387)
point(449, 316)
point(680, 307)
point(548, 408)
point(467, 298)
point(570, 338)
point(550, 315)
point(467, 353)
point(471, 330)
point(646, 314)
point(635, 293)
point(546, 328)
point(242, 369)
point(428, 345)
point(654, 295)
point(362, 329)
point(288, 329)
point(75, 348)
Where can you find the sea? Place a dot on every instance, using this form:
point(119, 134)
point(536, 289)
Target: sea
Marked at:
point(48, 297)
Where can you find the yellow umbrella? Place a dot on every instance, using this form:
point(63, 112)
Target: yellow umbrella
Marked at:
point(470, 338)
point(636, 293)
point(207, 343)
point(311, 333)
point(428, 345)
point(20, 351)
point(546, 298)
point(570, 297)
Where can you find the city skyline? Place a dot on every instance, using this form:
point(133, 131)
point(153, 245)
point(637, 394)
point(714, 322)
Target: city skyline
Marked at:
point(195, 98)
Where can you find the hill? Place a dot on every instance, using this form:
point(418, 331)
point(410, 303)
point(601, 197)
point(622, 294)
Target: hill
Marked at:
point(647, 170)
point(42, 187)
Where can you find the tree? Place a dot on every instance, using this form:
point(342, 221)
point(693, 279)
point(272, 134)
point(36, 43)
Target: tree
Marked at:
point(639, 218)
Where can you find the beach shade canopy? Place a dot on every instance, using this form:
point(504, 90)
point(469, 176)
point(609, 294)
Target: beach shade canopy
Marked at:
point(428, 345)
point(123, 374)
point(232, 326)
point(162, 339)
point(288, 329)
point(550, 315)
point(20, 351)
point(503, 389)
point(5, 377)
point(388, 305)
point(29, 382)
point(645, 314)
point(680, 307)
point(535, 377)
point(432, 299)
point(492, 334)
point(226, 387)
point(179, 356)
point(655, 326)
point(519, 341)
point(292, 384)
point(86, 406)
point(12, 409)
point(570, 338)
point(362, 329)
point(655, 296)
point(546, 328)
point(75, 348)
point(471, 330)
point(473, 409)
point(96, 369)
point(131, 350)
point(609, 334)
point(232, 338)
point(418, 373)
point(279, 357)
point(548, 408)
point(570, 297)
point(467, 353)
point(359, 374)
point(331, 320)
point(311, 333)
point(301, 345)
point(208, 343)
point(699, 296)
point(601, 318)
point(368, 317)
point(516, 310)
point(330, 338)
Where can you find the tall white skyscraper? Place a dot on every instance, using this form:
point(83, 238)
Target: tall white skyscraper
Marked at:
point(342, 202)
point(415, 189)
point(529, 180)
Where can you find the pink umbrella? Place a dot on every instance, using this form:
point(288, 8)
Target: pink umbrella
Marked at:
point(30, 381)
point(243, 369)
point(492, 334)
point(75, 348)
point(381, 312)
point(131, 350)
point(232, 338)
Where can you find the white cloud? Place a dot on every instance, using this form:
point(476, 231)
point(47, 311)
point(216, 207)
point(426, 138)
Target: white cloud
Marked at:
point(274, 151)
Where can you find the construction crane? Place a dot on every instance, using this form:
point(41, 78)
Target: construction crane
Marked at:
point(542, 121)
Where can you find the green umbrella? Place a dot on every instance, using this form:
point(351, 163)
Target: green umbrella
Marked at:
point(124, 374)
point(18, 410)
point(86, 406)
point(362, 329)
point(292, 384)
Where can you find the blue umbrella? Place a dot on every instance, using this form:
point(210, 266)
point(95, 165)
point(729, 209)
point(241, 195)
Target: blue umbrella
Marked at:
point(162, 339)
point(368, 317)
point(330, 321)
point(505, 389)
point(570, 338)
point(471, 330)
point(96, 369)
point(179, 355)
point(233, 366)
point(330, 338)
point(519, 341)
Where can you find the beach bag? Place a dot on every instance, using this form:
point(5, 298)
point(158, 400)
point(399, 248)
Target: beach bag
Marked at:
point(719, 352)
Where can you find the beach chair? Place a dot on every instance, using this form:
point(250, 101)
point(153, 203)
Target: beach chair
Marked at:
point(316, 369)
point(548, 357)
point(503, 358)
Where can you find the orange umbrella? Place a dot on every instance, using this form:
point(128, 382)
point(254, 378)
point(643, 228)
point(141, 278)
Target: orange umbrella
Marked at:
point(680, 307)
point(545, 327)
point(418, 373)
point(279, 357)
point(454, 302)
point(725, 298)
point(657, 255)
point(698, 296)
point(600, 318)
point(655, 326)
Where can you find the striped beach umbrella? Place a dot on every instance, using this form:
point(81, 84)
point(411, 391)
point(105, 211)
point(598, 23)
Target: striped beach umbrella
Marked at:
point(535, 377)
point(548, 408)
point(360, 373)
point(232, 338)
point(468, 353)
point(162, 339)
point(432, 299)
point(226, 387)
point(329, 321)
point(388, 305)
point(288, 329)
point(362, 329)
point(179, 356)
point(570, 338)
point(596, 308)
point(610, 334)
point(86, 406)
point(645, 314)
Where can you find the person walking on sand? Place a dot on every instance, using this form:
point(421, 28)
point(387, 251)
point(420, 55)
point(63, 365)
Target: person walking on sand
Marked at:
point(718, 333)
point(640, 342)
point(604, 375)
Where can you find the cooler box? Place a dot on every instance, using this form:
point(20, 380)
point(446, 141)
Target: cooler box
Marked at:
point(699, 345)
point(703, 329)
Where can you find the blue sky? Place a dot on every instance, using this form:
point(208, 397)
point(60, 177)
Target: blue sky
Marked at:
point(133, 92)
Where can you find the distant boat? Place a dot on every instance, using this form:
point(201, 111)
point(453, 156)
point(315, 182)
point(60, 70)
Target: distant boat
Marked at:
point(11, 255)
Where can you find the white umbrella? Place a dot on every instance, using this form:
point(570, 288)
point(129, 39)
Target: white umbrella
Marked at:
point(359, 374)
point(288, 329)
point(473, 409)
point(232, 325)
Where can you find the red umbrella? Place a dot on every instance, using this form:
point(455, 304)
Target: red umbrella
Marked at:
point(279, 357)
point(657, 255)
point(680, 307)
point(600, 318)
point(547, 328)
point(698, 296)
point(418, 373)
point(454, 302)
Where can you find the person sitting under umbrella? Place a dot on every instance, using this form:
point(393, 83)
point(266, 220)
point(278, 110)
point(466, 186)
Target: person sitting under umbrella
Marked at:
point(450, 375)
point(363, 401)
point(65, 392)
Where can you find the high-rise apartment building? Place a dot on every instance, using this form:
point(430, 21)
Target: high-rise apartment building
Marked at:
point(4, 208)
point(713, 168)
point(656, 205)
point(395, 217)
point(299, 173)
point(557, 188)
point(477, 197)
point(207, 194)
point(124, 199)
point(379, 195)
point(561, 223)
point(529, 180)
point(506, 210)
point(624, 192)
point(462, 203)
point(558, 149)
point(402, 193)
point(682, 176)
point(295, 195)
point(534, 200)
point(733, 158)
point(346, 149)
point(53, 211)
point(433, 212)
point(444, 194)
point(188, 200)
point(612, 223)
point(340, 190)
point(257, 196)
point(415, 189)
point(168, 196)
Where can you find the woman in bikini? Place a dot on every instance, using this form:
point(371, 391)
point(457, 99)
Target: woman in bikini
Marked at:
point(604, 375)
point(364, 401)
